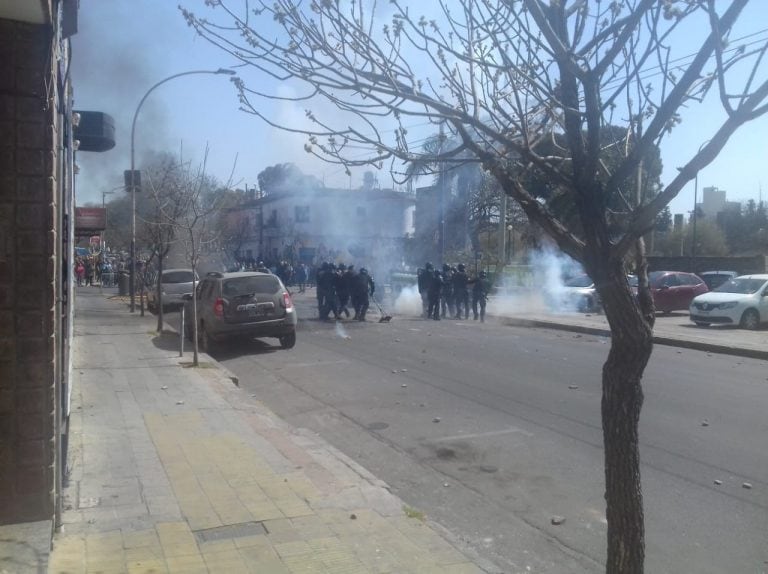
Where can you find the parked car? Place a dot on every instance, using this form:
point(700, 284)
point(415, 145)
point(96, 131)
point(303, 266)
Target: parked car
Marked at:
point(245, 304)
point(174, 283)
point(740, 301)
point(674, 290)
point(579, 293)
point(714, 279)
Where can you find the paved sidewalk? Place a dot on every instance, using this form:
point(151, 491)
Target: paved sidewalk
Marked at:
point(174, 469)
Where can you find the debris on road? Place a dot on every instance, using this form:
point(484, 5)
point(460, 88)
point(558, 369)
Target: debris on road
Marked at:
point(705, 423)
point(746, 485)
point(558, 520)
point(436, 420)
point(353, 516)
point(403, 370)
point(446, 485)
point(163, 387)
point(573, 387)
point(718, 482)
point(403, 385)
point(179, 402)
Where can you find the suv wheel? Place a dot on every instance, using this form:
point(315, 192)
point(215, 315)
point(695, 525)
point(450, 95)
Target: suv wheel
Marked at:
point(288, 341)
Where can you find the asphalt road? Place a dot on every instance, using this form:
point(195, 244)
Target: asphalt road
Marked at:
point(492, 430)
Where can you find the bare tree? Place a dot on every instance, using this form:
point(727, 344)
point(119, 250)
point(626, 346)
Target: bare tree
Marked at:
point(165, 185)
point(506, 75)
point(190, 215)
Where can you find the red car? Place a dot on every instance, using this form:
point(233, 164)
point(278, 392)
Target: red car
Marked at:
point(674, 290)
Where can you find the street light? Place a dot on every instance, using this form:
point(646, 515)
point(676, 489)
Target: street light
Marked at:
point(695, 215)
point(132, 286)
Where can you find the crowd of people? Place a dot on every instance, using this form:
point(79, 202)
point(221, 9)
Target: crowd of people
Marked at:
point(93, 270)
point(445, 293)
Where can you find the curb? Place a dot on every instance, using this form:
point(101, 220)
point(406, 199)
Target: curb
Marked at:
point(657, 339)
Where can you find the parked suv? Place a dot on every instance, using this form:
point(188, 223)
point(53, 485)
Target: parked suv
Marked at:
point(174, 284)
point(241, 305)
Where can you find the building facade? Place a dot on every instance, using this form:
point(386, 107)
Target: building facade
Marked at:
point(363, 227)
point(37, 180)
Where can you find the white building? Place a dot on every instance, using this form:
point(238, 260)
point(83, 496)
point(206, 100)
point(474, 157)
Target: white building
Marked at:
point(714, 201)
point(363, 227)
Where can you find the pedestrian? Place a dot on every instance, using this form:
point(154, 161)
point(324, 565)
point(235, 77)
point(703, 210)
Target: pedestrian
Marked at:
point(481, 287)
point(80, 272)
point(424, 278)
point(433, 296)
point(363, 289)
point(461, 291)
point(88, 271)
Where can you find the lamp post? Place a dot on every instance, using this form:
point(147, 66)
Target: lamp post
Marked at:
point(132, 286)
point(695, 214)
point(104, 195)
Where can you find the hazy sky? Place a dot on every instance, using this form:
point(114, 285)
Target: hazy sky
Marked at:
point(123, 47)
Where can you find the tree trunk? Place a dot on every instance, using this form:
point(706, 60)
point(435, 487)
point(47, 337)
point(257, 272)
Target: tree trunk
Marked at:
point(631, 346)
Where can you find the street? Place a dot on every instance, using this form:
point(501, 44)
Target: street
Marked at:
point(493, 431)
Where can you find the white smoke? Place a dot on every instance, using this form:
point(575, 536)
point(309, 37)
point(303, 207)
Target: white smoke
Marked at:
point(538, 287)
point(408, 302)
point(341, 332)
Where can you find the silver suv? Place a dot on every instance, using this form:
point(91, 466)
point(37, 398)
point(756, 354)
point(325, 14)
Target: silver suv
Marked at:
point(174, 283)
point(241, 304)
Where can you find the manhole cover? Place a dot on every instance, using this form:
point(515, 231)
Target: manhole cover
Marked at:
point(377, 426)
point(230, 531)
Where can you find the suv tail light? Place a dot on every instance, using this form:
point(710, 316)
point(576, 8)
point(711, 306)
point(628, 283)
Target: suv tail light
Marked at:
point(218, 307)
point(287, 303)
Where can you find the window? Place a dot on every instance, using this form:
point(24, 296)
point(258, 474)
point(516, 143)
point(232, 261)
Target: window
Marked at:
point(301, 213)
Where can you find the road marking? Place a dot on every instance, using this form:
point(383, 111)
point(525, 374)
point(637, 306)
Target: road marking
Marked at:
point(319, 363)
point(484, 434)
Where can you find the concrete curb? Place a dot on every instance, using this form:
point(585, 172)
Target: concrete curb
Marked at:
point(657, 339)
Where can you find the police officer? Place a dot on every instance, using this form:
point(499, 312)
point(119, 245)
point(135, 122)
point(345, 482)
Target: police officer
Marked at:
point(446, 298)
point(461, 291)
point(342, 290)
point(481, 287)
point(321, 281)
point(433, 296)
point(363, 287)
point(424, 279)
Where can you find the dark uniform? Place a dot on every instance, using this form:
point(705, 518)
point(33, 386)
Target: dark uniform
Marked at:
point(433, 296)
point(363, 287)
point(446, 299)
point(345, 290)
point(424, 278)
point(327, 282)
point(342, 289)
point(320, 279)
point(481, 287)
point(461, 291)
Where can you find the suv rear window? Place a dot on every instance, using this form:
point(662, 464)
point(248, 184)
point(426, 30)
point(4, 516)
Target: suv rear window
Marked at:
point(247, 285)
point(177, 277)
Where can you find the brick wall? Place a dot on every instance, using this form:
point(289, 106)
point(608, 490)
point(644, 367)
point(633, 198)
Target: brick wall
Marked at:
point(28, 273)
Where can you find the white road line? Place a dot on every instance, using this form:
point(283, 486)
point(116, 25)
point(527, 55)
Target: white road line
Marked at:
point(484, 434)
point(318, 363)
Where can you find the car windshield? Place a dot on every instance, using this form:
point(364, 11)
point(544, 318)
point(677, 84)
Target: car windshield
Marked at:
point(579, 281)
point(741, 285)
point(265, 284)
point(183, 276)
